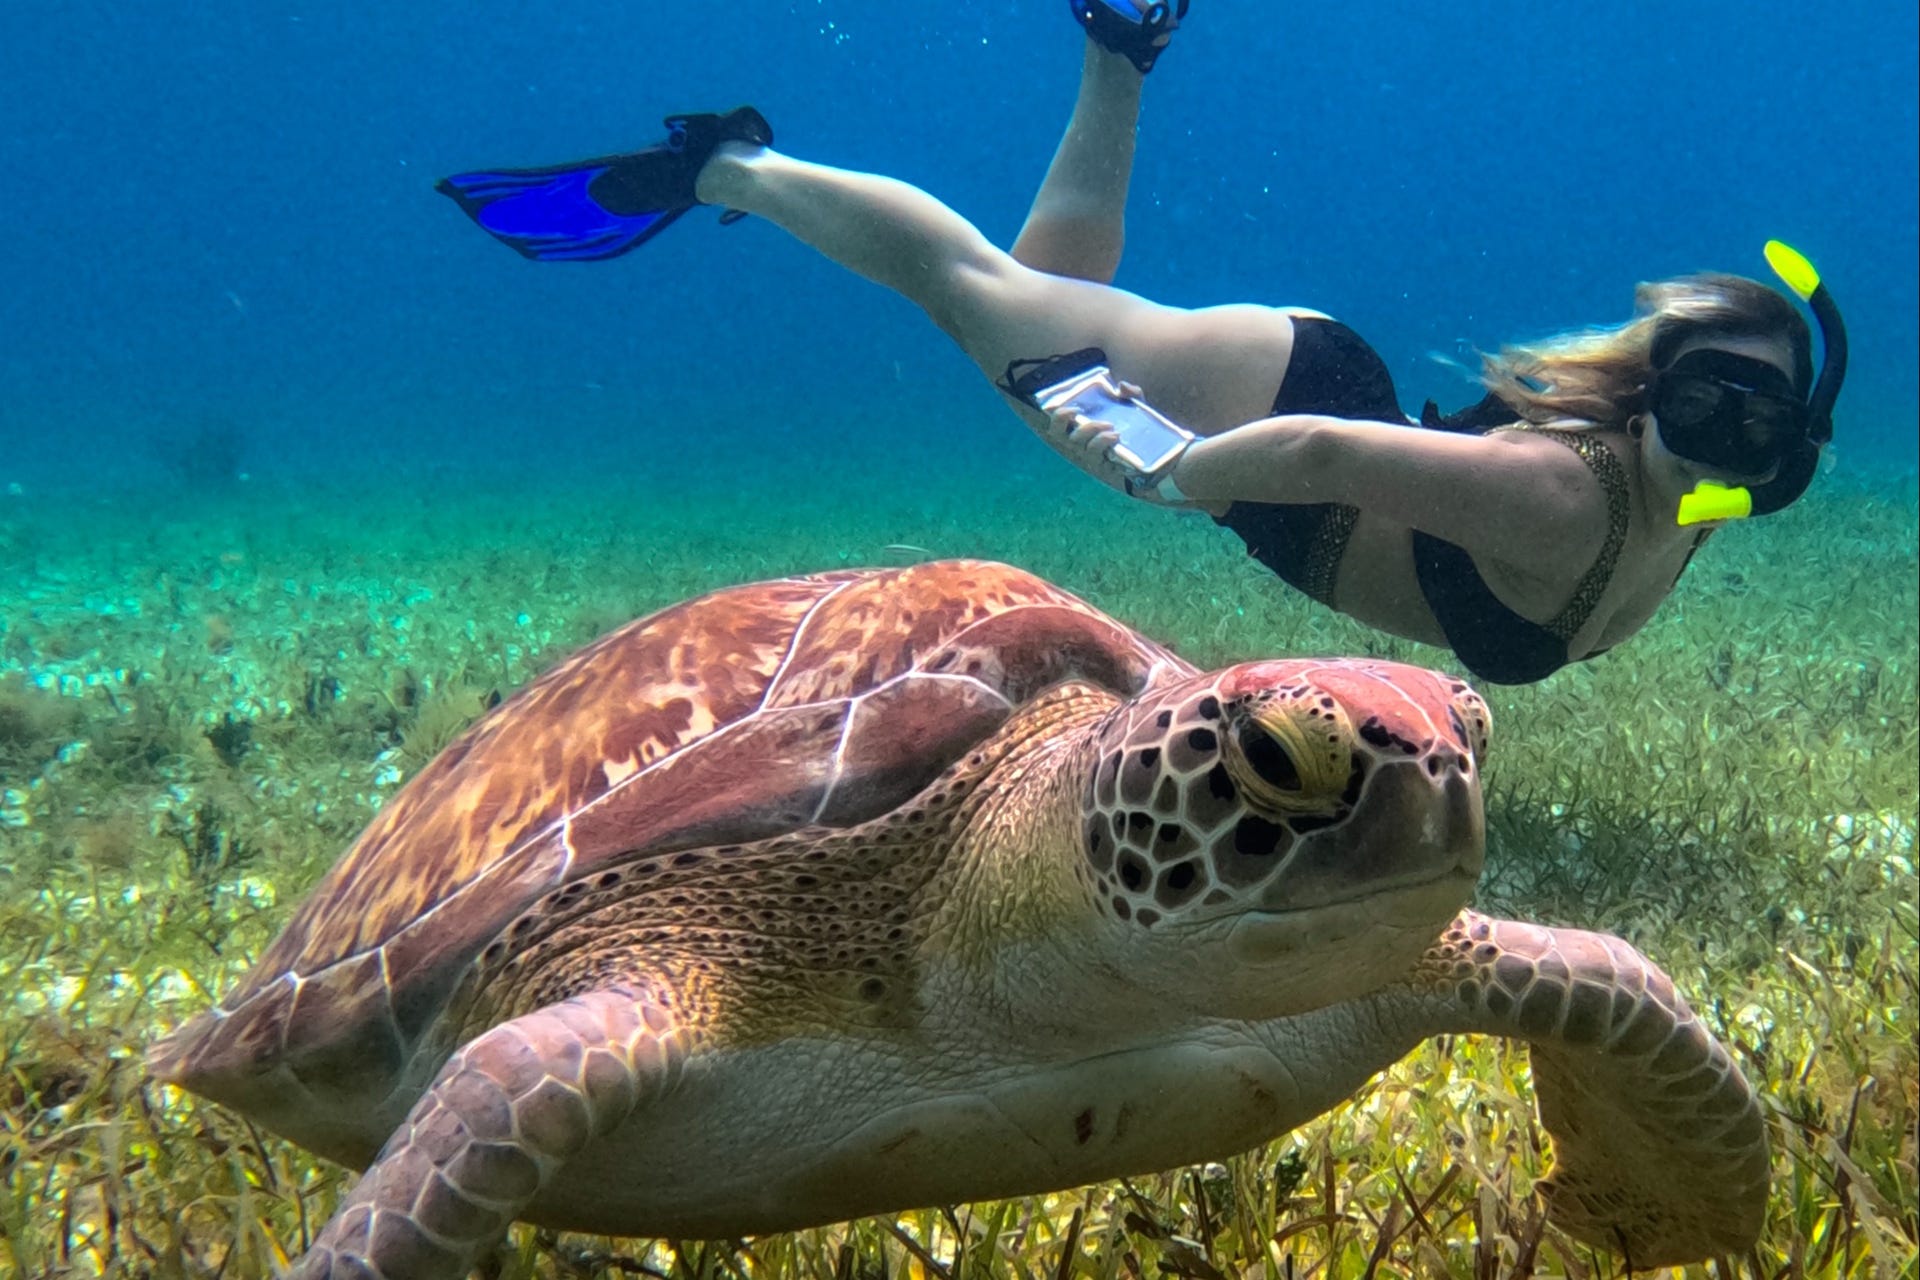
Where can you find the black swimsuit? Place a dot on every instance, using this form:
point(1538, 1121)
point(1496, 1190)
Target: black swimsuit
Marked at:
point(1334, 372)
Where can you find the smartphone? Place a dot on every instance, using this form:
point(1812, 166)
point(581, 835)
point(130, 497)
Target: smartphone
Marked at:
point(1149, 442)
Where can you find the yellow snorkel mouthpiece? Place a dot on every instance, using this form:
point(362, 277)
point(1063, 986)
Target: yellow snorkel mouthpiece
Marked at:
point(1710, 501)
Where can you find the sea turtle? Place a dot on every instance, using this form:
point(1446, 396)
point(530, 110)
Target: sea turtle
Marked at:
point(845, 894)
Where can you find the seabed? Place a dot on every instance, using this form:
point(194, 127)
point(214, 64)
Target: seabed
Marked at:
point(207, 689)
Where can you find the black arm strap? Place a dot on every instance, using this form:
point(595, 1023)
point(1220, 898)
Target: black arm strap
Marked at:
point(1024, 380)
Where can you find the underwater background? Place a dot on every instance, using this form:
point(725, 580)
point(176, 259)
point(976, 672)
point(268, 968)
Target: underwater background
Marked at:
point(225, 211)
point(299, 470)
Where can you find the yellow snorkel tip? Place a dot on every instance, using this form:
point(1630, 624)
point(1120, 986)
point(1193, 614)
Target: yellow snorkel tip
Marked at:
point(1793, 268)
point(1710, 501)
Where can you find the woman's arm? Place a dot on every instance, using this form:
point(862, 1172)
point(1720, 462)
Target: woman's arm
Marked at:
point(1511, 495)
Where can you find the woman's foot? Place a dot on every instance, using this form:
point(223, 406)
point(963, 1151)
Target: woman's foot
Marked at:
point(1137, 32)
point(666, 175)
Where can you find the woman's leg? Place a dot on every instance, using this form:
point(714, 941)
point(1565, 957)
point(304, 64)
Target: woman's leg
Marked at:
point(1077, 226)
point(1211, 369)
point(903, 238)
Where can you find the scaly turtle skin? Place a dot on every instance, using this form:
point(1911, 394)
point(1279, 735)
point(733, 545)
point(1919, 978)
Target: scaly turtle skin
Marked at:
point(847, 894)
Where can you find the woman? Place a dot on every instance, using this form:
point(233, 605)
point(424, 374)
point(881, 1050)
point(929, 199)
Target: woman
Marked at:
point(1542, 526)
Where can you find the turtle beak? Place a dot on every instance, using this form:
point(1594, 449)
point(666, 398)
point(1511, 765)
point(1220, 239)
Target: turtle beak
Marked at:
point(1401, 836)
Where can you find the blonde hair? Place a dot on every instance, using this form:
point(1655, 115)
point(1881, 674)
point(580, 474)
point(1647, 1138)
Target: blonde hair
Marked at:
point(1602, 375)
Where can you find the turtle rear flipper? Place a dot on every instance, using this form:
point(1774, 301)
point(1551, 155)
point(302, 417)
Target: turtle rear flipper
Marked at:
point(1660, 1148)
point(498, 1123)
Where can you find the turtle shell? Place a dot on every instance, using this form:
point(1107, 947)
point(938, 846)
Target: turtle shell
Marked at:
point(748, 713)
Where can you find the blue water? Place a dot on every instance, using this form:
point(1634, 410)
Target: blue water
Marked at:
point(224, 212)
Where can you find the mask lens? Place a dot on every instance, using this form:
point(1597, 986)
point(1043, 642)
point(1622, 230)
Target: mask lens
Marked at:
point(1689, 402)
point(1771, 419)
point(1718, 417)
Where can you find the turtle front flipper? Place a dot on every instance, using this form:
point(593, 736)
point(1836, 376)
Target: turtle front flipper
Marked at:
point(501, 1119)
point(1660, 1149)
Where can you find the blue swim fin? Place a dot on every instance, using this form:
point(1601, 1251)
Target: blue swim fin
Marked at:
point(601, 208)
point(1135, 29)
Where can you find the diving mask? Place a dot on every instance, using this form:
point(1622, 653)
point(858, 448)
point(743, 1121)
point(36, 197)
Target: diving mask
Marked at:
point(1743, 416)
point(1728, 412)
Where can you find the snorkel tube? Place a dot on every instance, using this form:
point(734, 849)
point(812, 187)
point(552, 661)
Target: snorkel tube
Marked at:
point(1798, 274)
point(1710, 501)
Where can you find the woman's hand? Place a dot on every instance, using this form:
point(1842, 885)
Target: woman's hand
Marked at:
point(1088, 444)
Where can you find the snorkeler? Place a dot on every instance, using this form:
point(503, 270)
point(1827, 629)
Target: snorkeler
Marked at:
point(1539, 527)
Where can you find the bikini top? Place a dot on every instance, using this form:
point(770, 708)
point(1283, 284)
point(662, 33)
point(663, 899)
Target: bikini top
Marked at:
point(1496, 643)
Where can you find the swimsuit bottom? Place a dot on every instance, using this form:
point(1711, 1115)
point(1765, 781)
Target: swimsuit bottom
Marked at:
point(1335, 372)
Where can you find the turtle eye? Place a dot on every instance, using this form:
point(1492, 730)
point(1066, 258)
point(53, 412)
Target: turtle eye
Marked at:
point(1268, 758)
point(1290, 755)
point(1473, 721)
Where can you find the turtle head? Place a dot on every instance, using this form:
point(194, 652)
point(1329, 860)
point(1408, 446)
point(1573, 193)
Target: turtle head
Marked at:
point(1279, 836)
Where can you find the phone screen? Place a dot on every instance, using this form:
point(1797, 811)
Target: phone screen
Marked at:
point(1148, 441)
